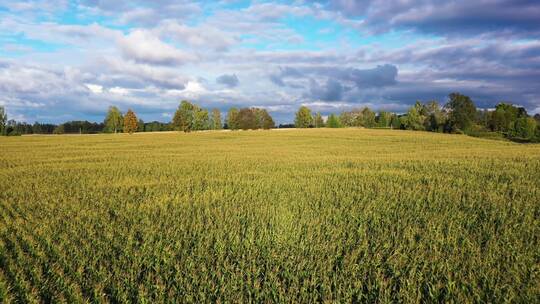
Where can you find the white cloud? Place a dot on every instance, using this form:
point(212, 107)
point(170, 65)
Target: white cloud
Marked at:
point(119, 91)
point(144, 46)
point(202, 36)
point(94, 88)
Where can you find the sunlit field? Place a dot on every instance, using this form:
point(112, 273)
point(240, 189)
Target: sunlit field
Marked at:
point(311, 215)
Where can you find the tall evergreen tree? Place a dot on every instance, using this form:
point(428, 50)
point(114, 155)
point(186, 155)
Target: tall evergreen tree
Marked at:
point(131, 123)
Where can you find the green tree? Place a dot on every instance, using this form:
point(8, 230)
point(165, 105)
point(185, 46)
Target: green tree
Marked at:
point(201, 119)
point(131, 123)
point(504, 118)
point(414, 120)
point(140, 126)
point(461, 112)
point(368, 118)
point(113, 121)
point(318, 121)
point(333, 121)
point(395, 122)
point(216, 120)
point(524, 128)
point(184, 117)
point(303, 118)
point(59, 129)
point(265, 120)
point(232, 119)
point(435, 118)
point(3, 120)
point(36, 128)
point(383, 119)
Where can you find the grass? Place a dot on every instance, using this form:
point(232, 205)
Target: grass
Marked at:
point(343, 215)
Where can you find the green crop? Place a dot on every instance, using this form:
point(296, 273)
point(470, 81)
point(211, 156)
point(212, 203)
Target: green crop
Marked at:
point(314, 215)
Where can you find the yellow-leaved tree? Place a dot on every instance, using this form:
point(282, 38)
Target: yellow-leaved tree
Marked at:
point(130, 122)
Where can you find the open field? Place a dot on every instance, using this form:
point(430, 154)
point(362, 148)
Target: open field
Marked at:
point(300, 216)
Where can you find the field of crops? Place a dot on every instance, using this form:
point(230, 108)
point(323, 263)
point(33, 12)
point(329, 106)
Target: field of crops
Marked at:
point(311, 215)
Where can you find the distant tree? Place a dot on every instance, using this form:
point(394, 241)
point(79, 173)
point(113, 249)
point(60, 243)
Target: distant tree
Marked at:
point(461, 112)
point(414, 120)
point(232, 119)
point(349, 119)
point(395, 123)
point(303, 118)
point(265, 120)
point(155, 126)
point(201, 119)
point(59, 129)
point(36, 128)
point(247, 119)
point(435, 118)
point(3, 120)
point(184, 117)
point(140, 126)
point(504, 117)
point(383, 119)
point(333, 121)
point(537, 118)
point(216, 120)
point(368, 118)
point(131, 122)
point(83, 127)
point(524, 128)
point(318, 121)
point(114, 120)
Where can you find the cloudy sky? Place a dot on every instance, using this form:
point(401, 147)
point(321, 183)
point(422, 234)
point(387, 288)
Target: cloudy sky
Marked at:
point(68, 60)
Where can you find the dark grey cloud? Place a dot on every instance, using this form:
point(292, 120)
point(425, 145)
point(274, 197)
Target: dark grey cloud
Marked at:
point(230, 81)
point(332, 90)
point(380, 76)
point(454, 17)
point(278, 78)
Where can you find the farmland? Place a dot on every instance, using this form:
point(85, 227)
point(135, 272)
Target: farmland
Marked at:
point(269, 216)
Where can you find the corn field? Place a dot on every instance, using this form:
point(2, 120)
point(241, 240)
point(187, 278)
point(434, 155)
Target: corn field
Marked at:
point(315, 215)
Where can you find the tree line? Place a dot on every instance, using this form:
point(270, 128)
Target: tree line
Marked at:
point(458, 115)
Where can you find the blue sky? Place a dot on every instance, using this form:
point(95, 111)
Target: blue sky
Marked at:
point(69, 60)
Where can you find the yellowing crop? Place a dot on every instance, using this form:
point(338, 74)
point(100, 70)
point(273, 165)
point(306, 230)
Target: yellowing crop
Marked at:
point(337, 215)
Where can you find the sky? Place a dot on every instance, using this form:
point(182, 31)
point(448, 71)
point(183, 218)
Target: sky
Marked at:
point(66, 60)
